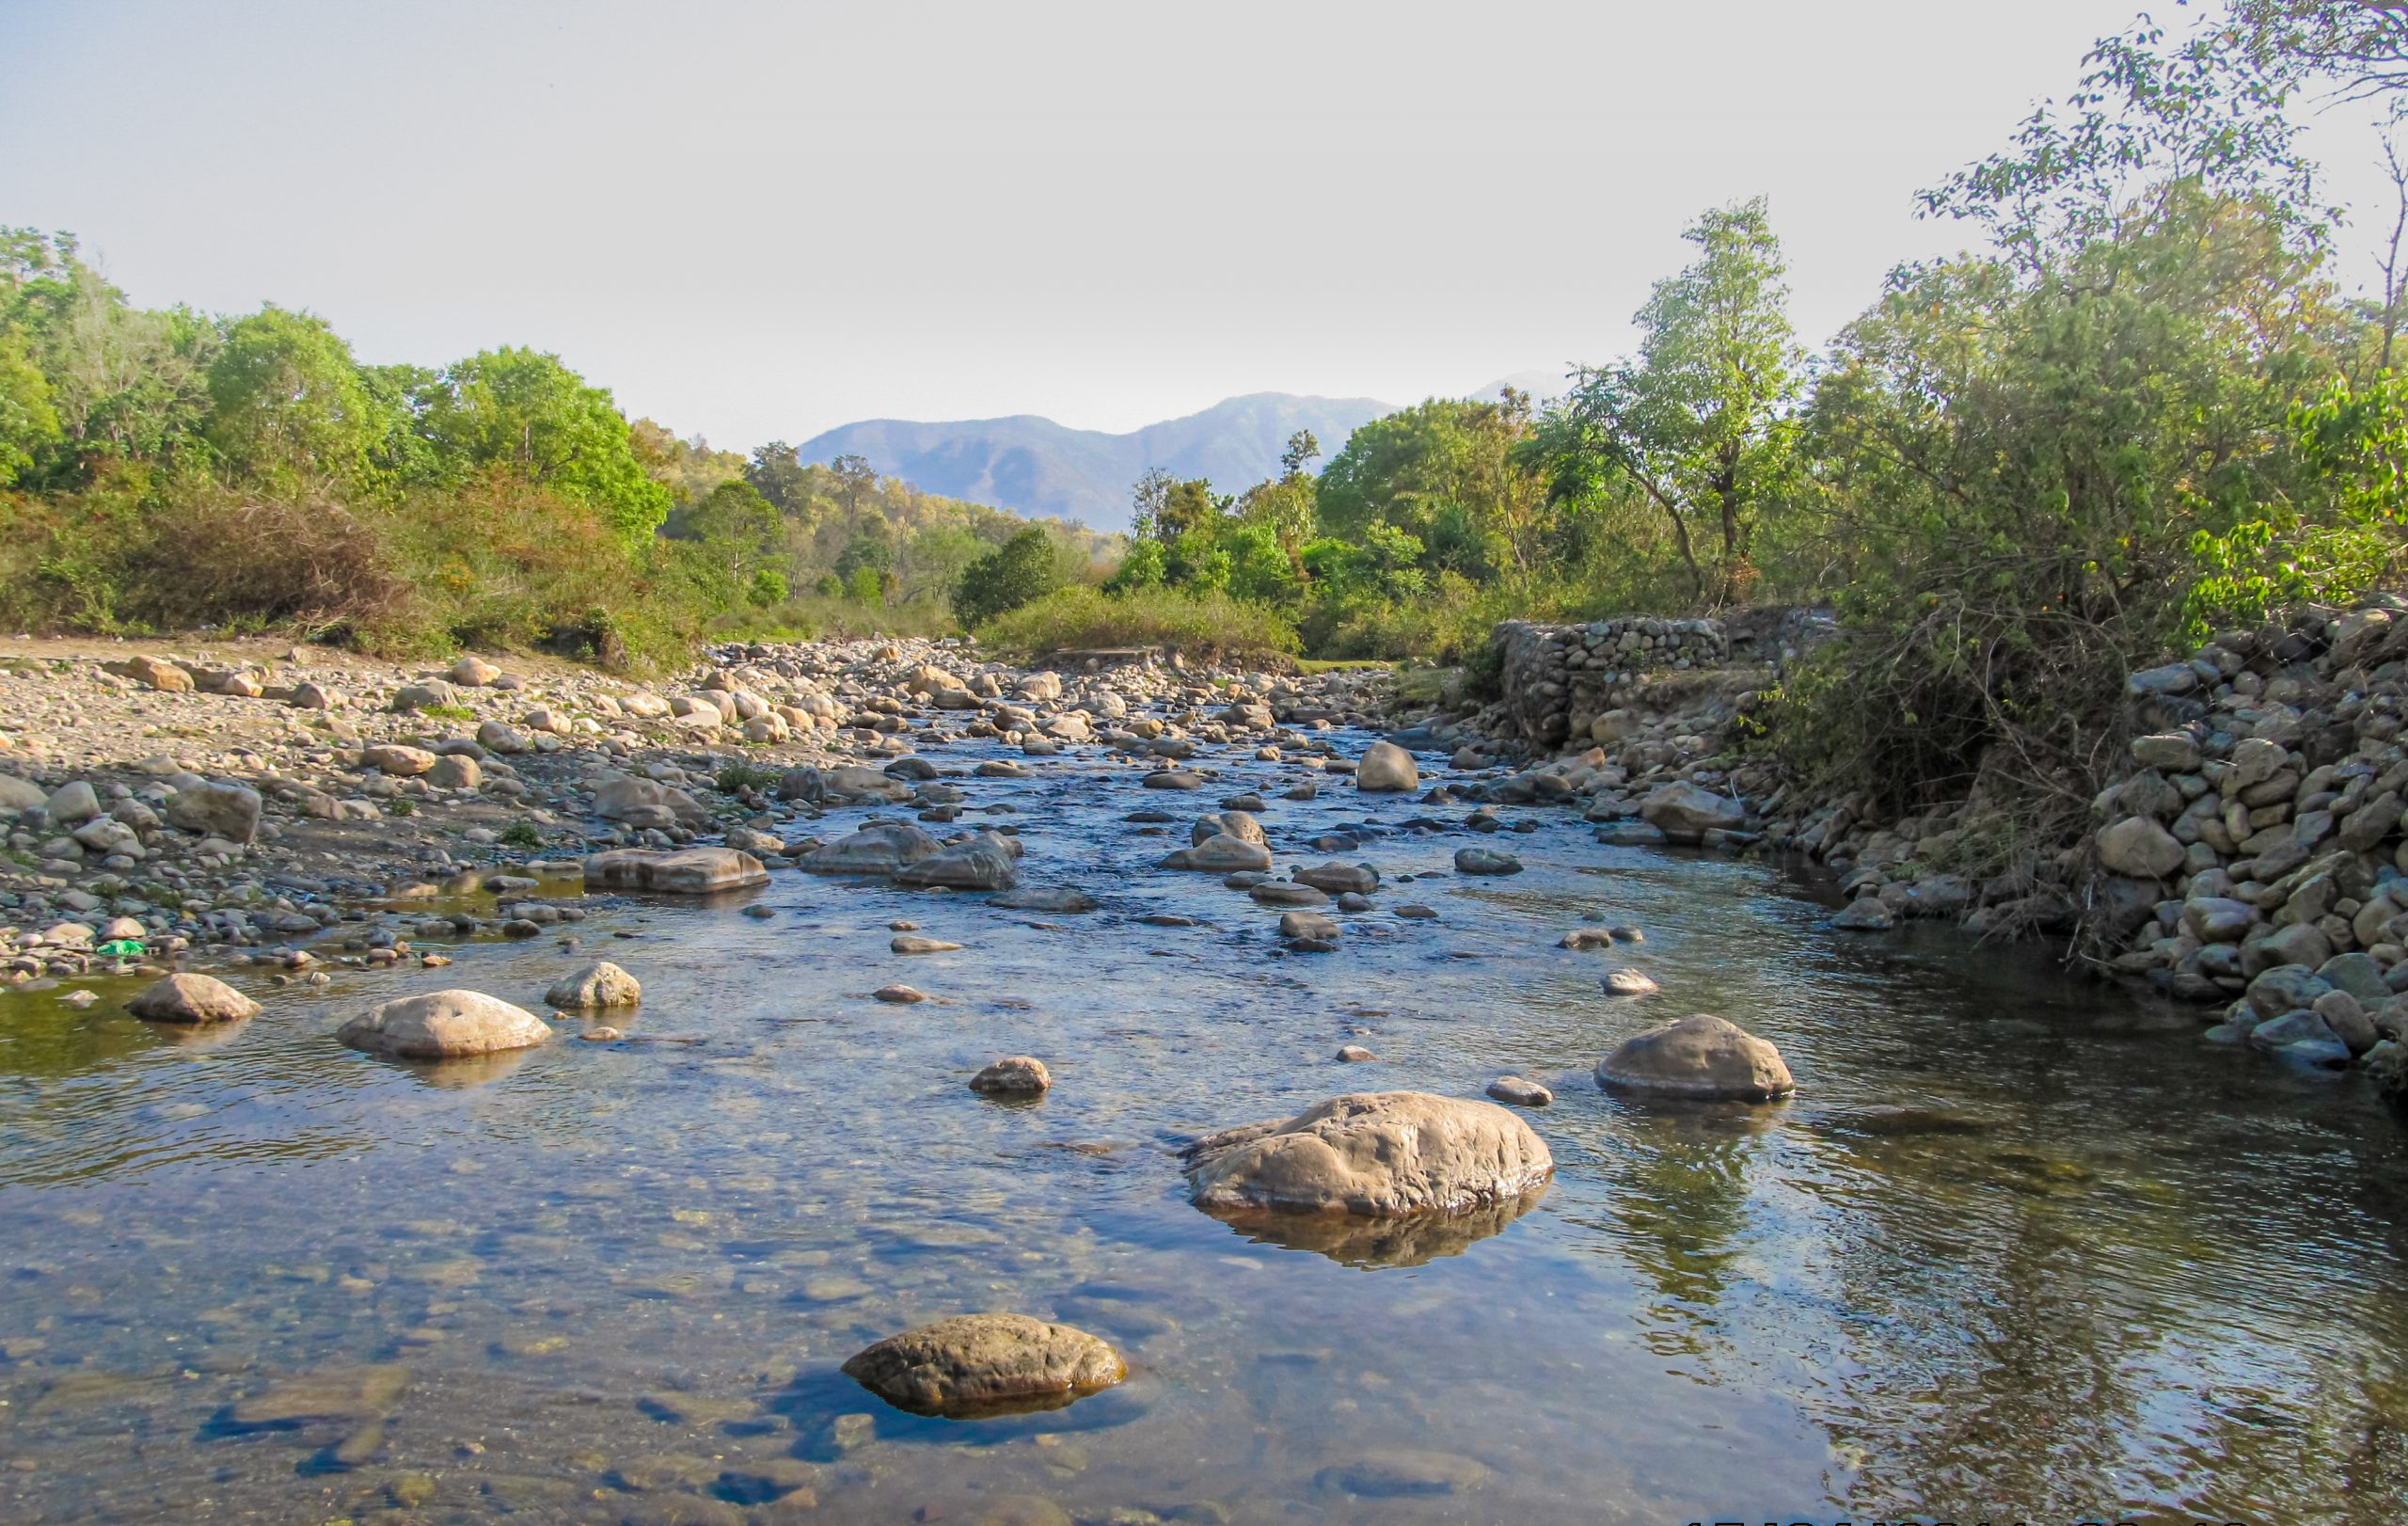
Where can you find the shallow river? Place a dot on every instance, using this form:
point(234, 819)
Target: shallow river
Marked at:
point(2021, 1249)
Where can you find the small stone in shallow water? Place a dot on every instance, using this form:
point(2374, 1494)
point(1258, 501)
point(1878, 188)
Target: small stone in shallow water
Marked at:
point(1628, 982)
point(1354, 1054)
point(899, 994)
point(192, 998)
point(906, 943)
point(1626, 933)
point(1485, 861)
point(1016, 1075)
point(1416, 912)
point(598, 984)
point(602, 1034)
point(979, 1362)
point(759, 912)
point(1586, 938)
point(1519, 1092)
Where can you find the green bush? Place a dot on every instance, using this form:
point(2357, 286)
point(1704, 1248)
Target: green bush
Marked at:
point(1018, 572)
point(1203, 625)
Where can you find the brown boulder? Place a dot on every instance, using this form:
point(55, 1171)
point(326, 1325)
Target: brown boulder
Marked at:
point(1702, 1057)
point(986, 1363)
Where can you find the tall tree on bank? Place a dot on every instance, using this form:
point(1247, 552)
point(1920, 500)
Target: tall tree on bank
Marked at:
point(524, 411)
point(1702, 421)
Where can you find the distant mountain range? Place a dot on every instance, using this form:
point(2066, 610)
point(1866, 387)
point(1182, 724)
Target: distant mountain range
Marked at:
point(1036, 467)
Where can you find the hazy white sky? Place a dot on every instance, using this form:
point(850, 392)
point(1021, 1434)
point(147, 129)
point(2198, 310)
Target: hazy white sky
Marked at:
point(760, 220)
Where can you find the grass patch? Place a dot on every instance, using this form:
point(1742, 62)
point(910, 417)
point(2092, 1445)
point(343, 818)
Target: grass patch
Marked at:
point(735, 776)
point(521, 834)
point(446, 712)
point(1209, 626)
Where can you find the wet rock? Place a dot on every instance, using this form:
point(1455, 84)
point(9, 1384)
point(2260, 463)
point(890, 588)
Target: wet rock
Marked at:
point(977, 1363)
point(1307, 925)
point(898, 995)
point(912, 943)
point(1286, 893)
point(600, 983)
point(1376, 1153)
point(882, 847)
point(1685, 813)
point(1628, 982)
point(444, 1024)
point(1220, 854)
point(1866, 914)
point(215, 810)
point(1336, 878)
point(1400, 1472)
point(1387, 768)
point(1698, 1057)
point(1354, 1053)
point(1485, 861)
point(1520, 1092)
point(983, 863)
point(1416, 912)
point(191, 998)
point(690, 871)
point(1016, 1075)
point(1584, 938)
point(1174, 779)
point(1057, 898)
point(331, 1394)
point(1234, 823)
point(2285, 988)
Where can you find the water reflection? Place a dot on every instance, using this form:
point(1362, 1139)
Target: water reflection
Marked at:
point(1362, 1241)
point(2011, 1249)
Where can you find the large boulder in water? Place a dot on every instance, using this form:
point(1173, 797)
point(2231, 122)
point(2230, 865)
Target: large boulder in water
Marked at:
point(600, 983)
point(1387, 768)
point(1685, 813)
point(880, 847)
point(690, 871)
point(986, 1363)
point(1700, 1056)
point(191, 998)
point(442, 1024)
point(1376, 1153)
point(983, 863)
point(1221, 854)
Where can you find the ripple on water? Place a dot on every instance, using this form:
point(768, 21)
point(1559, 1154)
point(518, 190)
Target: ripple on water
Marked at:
point(2009, 1249)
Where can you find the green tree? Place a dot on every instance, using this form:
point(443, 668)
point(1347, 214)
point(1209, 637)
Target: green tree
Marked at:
point(778, 474)
point(29, 424)
point(524, 411)
point(286, 405)
point(856, 481)
point(1701, 420)
point(1020, 571)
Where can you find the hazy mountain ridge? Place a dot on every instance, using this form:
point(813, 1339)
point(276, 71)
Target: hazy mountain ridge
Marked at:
point(1033, 466)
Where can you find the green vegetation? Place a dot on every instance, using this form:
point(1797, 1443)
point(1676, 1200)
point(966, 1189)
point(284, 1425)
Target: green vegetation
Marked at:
point(168, 470)
point(1206, 624)
point(2137, 407)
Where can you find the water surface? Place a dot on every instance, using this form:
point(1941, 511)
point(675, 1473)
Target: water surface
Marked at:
point(2021, 1249)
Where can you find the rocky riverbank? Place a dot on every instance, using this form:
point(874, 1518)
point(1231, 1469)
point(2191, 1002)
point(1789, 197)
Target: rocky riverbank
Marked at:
point(2248, 854)
point(247, 798)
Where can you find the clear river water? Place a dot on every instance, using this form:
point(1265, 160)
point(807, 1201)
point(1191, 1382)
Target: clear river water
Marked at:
point(2021, 1249)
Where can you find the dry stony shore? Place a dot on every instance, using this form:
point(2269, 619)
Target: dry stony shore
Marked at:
point(219, 801)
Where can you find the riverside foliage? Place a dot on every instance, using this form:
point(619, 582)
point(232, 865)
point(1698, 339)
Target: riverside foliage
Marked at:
point(2136, 407)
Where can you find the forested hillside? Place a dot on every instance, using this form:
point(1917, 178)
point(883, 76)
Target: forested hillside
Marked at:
point(168, 469)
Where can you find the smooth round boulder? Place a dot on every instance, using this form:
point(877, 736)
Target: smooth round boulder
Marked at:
point(444, 1024)
point(1222, 853)
point(1700, 1056)
point(1015, 1075)
point(1627, 983)
point(1485, 861)
point(977, 1363)
point(1387, 768)
point(600, 983)
point(1376, 1153)
point(191, 998)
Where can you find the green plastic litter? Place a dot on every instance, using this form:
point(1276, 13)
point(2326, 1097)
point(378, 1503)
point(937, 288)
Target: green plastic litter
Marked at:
point(121, 947)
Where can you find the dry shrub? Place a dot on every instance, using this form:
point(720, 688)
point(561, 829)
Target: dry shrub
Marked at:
point(217, 561)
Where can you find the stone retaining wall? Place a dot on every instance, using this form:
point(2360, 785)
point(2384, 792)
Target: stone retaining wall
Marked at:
point(1558, 680)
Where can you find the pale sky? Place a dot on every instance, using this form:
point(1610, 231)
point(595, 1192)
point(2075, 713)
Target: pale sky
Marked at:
point(761, 220)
